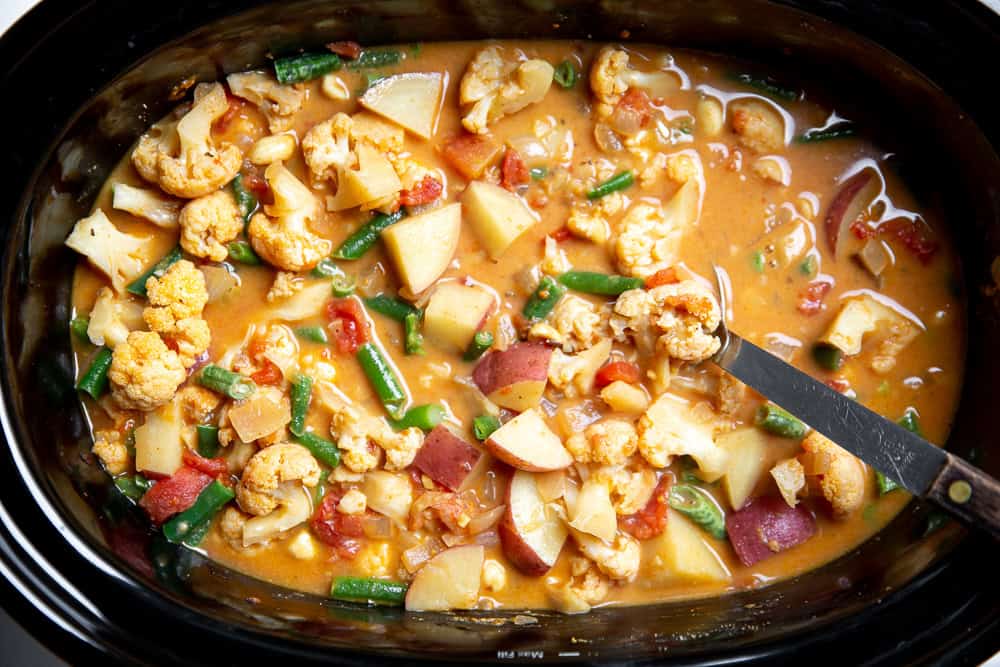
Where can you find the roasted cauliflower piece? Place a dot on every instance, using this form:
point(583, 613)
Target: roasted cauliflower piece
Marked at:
point(678, 319)
point(357, 434)
point(618, 560)
point(495, 85)
point(144, 372)
point(630, 487)
point(647, 241)
point(278, 103)
point(670, 428)
point(575, 324)
point(208, 224)
point(266, 473)
point(758, 125)
point(327, 147)
point(285, 285)
point(116, 254)
point(839, 474)
point(198, 403)
point(587, 221)
point(280, 234)
point(149, 205)
point(609, 441)
point(176, 302)
point(112, 319)
point(111, 450)
point(159, 140)
point(612, 75)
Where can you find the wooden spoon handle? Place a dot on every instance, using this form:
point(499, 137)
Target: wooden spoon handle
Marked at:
point(968, 493)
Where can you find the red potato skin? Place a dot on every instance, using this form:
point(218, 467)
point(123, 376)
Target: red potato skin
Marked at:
point(767, 525)
point(837, 220)
point(518, 363)
point(446, 458)
point(517, 551)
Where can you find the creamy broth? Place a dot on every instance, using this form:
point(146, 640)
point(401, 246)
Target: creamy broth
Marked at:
point(760, 231)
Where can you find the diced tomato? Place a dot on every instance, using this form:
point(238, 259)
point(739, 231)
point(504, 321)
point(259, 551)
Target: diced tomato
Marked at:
point(255, 183)
point(470, 154)
point(651, 520)
point(340, 531)
point(423, 192)
point(665, 276)
point(351, 331)
point(912, 236)
point(562, 234)
point(838, 384)
point(235, 108)
point(513, 171)
point(638, 102)
point(269, 373)
point(811, 298)
point(216, 467)
point(174, 494)
point(349, 50)
point(615, 371)
point(170, 343)
point(862, 230)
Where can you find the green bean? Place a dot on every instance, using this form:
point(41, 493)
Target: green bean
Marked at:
point(779, 422)
point(396, 309)
point(301, 394)
point(382, 377)
point(242, 252)
point(424, 417)
point(313, 334)
point(78, 326)
point(133, 487)
point(325, 451)
point(767, 87)
point(815, 135)
point(808, 266)
point(320, 489)
point(191, 525)
point(361, 241)
point(233, 385)
point(617, 182)
point(884, 484)
point(757, 261)
point(538, 173)
point(370, 79)
point(697, 505)
point(828, 356)
point(413, 340)
point(484, 425)
point(364, 589)
point(326, 268)
point(590, 282)
point(294, 69)
point(95, 380)
point(544, 299)
point(138, 286)
point(373, 58)
point(343, 285)
point(245, 200)
point(208, 440)
point(482, 341)
point(910, 422)
point(565, 74)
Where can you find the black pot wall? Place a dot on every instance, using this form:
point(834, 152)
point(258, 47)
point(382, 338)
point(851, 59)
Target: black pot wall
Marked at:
point(86, 81)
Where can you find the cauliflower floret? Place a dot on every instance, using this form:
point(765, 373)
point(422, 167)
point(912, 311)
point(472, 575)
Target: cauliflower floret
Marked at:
point(160, 139)
point(327, 147)
point(493, 87)
point(670, 428)
point(629, 489)
point(586, 221)
point(647, 240)
point(790, 477)
point(231, 526)
point(278, 103)
point(494, 575)
point(192, 337)
point(197, 403)
point(268, 470)
point(116, 254)
point(681, 317)
point(618, 560)
point(277, 343)
point(574, 374)
point(575, 324)
point(357, 432)
point(281, 233)
point(178, 294)
point(111, 319)
point(318, 369)
point(586, 580)
point(758, 124)
point(841, 476)
point(610, 441)
point(111, 450)
point(285, 285)
point(200, 167)
point(144, 372)
point(554, 262)
point(208, 224)
point(149, 205)
point(611, 76)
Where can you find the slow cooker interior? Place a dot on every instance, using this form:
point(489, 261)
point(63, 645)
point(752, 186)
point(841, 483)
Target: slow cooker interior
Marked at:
point(948, 159)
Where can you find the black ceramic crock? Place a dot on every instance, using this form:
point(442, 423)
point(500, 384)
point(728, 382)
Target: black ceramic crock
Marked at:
point(82, 80)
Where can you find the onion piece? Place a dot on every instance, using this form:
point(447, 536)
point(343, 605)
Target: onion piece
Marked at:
point(874, 257)
point(414, 557)
point(606, 139)
point(377, 526)
point(487, 520)
point(219, 281)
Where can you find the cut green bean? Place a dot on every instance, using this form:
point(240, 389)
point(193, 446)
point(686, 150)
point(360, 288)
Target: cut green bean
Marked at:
point(233, 385)
point(343, 285)
point(808, 266)
point(828, 356)
point(617, 182)
point(320, 489)
point(538, 173)
point(325, 451)
point(757, 261)
point(565, 74)
point(313, 334)
point(78, 326)
point(815, 135)
point(301, 395)
point(95, 380)
point(191, 525)
point(697, 505)
point(365, 589)
point(383, 378)
point(396, 309)
point(245, 200)
point(766, 86)
point(134, 487)
point(482, 341)
point(326, 268)
point(774, 420)
point(242, 252)
point(305, 67)
point(208, 440)
point(361, 241)
point(605, 284)
point(413, 340)
point(424, 417)
point(374, 58)
point(911, 422)
point(138, 286)
point(484, 425)
point(884, 484)
point(544, 298)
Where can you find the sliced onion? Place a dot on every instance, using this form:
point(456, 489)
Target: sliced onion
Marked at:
point(486, 520)
point(529, 148)
point(606, 139)
point(219, 281)
point(416, 556)
point(491, 488)
point(377, 526)
point(489, 538)
point(626, 120)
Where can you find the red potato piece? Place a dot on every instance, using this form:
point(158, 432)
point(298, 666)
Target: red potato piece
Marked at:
point(450, 580)
point(514, 378)
point(852, 200)
point(446, 458)
point(531, 534)
point(527, 443)
point(766, 526)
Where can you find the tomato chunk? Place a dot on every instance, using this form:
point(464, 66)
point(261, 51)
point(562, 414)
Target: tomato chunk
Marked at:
point(351, 330)
point(636, 101)
point(340, 531)
point(216, 467)
point(562, 234)
point(651, 520)
point(269, 373)
point(470, 154)
point(423, 192)
point(174, 494)
point(513, 171)
point(665, 276)
point(811, 298)
point(349, 50)
point(617, 370)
